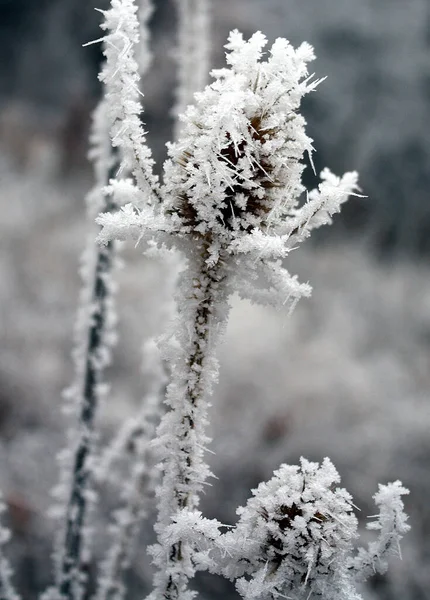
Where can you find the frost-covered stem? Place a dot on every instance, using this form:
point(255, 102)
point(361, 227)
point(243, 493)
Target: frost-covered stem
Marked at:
point(7, 591)
point(192, 53)
point(121, 76)
point(127, 519)
point(71, 575)
point(94, 337)
point(202, 313)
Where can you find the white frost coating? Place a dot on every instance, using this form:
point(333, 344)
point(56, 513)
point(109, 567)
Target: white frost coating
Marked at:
point(7, 591)
point(121, 77)
point(391, 524)
point(192, 54)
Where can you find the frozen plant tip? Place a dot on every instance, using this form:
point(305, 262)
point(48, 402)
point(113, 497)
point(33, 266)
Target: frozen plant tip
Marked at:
point(121, 76)
point(233, 181)
point(295, 534)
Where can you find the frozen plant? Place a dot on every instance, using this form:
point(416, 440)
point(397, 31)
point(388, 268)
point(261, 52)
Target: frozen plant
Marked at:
point(233, 205)
point(296, 534)
point(230, 202)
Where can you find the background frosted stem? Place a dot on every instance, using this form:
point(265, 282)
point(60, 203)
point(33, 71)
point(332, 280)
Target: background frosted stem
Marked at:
point(136, 482)
point(94, 338)
point(77, 505)
point(193, 53)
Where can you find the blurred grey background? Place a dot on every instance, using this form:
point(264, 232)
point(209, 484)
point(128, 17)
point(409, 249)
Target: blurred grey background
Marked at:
point(348, 375)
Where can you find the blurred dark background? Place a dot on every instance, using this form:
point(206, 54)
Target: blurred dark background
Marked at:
point(348, 375)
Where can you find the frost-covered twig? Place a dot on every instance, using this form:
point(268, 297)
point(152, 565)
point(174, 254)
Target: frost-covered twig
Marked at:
point(7, 590)
point(193, 53)
point(121, 77)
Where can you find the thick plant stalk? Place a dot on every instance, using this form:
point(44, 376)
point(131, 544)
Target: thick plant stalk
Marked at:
point(202, 312)
point(193, 53)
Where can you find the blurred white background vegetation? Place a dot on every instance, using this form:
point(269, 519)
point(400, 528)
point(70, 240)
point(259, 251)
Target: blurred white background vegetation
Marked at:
point(347, 376)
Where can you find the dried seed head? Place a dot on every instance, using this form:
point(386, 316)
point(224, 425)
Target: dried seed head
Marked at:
point(238, 164)
point(303, 527)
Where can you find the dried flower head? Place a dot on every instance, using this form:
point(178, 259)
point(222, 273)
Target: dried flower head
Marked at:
point(238, 165)
point(232, 184)
point(298, 530)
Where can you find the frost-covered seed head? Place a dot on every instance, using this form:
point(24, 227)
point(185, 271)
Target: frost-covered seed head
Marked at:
point(238, 166)
point(301, 529)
